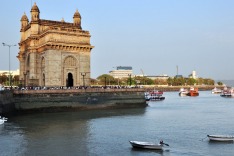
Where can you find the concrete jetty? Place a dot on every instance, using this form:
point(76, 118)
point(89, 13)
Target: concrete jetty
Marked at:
point(73, 99)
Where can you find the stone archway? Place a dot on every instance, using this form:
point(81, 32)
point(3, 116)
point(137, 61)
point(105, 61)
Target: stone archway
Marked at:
point(69, 80)
point(70, 73)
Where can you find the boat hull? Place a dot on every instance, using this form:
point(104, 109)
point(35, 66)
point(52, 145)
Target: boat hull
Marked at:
point(159, 98)
point(227, 95)
point(146, 145)
point(154, 96)
point(183, 94)
point(193, 94)
point(221, 138)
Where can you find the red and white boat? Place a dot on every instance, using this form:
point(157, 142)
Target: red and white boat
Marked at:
point(193, 92)
point(227, 92)
point(154, 95)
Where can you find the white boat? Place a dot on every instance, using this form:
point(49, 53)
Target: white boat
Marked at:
point(147, 145)
point(227, 92)
point(2, 120)
point(223, 138)
point(183, 92)
point(154, 95)
point(216, 91)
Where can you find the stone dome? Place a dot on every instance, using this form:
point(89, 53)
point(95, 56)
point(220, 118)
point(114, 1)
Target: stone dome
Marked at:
point(24, 18)
point(35, 8)
point(76, 14)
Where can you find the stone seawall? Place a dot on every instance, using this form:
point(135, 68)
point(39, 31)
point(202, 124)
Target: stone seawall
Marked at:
point(6, 102)
point(61, 100)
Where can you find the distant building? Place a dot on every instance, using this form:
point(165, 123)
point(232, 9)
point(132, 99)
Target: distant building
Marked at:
point(121, 72)
point(179, 76)
point(193, 75)
point(6, 72)
point(162, 77)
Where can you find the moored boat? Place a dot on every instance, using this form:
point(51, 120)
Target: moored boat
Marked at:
point(216, 91)
point(223, 138)
point(154, 95)
point(227, 92)
point(148, 145)
point(183, 92)
point(193, 92)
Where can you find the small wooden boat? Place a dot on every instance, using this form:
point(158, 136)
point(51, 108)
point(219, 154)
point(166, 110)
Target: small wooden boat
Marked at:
point(147, 145)
point(222, 138)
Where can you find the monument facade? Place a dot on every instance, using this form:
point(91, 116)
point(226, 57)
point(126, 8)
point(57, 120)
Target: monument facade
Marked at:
point(54, 53)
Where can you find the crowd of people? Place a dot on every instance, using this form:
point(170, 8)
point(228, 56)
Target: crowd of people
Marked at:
point(65, 87)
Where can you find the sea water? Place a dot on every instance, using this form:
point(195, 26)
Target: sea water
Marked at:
point(182, 122)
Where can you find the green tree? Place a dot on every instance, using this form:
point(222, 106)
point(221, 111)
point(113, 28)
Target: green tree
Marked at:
point(170, 81)
point(160, 82)
point(209, 82)
point(3, 79)
point(191, 81)
point(149, 81)
point(105, 79)
point(15, 80)
point(93, 81)
point(220, 83)
point(200, 81)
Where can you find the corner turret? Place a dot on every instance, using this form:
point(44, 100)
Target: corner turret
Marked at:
point(35, 13)
point(24, 21)
point(77, 19)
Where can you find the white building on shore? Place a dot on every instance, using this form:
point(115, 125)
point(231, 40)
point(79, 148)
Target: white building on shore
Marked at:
point(122, 72)
point(12, 72)
point(193, 75)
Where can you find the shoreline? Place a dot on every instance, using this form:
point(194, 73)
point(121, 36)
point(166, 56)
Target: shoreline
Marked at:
point(177, 88)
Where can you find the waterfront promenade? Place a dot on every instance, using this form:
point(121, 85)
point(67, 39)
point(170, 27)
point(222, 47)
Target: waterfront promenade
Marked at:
point(93, 89)
point(61, 98)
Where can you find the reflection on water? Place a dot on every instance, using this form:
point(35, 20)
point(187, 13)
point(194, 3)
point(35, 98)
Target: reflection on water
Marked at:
point(56, 133)
point(182, 122)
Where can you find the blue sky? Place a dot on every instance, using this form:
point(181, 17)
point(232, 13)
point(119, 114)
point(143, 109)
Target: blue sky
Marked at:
point(152, 35)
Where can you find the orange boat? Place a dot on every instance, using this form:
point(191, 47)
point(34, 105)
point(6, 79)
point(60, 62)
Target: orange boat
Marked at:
point(193, 92)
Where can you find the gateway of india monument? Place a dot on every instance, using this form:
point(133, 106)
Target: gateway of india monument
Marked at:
point(54, 53)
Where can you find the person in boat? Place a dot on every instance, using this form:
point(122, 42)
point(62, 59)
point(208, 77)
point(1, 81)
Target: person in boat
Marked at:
point(161, 142)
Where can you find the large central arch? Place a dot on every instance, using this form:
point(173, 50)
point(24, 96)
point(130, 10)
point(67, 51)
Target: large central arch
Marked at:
point(69, 80)
point(70, 71)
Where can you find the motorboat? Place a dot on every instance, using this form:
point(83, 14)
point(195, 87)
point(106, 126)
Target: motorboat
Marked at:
point(183, 92)
point(148, 145)
point(216, 91)
point(227, 92)
point(223, 138)
point(154, 95)
point(2, 120)
point(193, 92)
